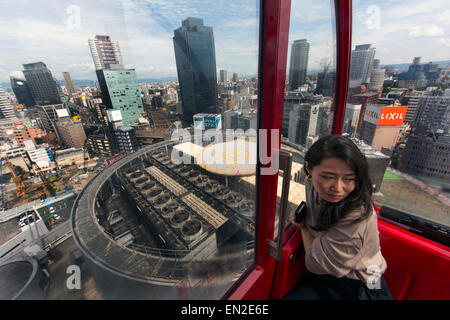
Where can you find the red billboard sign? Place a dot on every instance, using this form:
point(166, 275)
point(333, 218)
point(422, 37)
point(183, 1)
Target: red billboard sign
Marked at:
point(385, 116)
point(115, 158)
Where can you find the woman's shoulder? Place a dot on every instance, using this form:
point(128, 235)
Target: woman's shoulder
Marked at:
point(356, 218)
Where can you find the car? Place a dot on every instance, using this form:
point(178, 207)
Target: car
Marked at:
point(52, 210)
point(57, 217)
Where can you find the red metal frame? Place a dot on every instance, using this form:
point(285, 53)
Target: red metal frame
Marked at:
point(417, 267)
point(274, 47)
point(343, 10)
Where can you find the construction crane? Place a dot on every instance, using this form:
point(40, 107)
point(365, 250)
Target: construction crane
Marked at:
point(19, 184)
point(48, 185)
point(3, 186)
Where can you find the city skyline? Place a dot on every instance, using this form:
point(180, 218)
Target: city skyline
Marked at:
point(144, 31)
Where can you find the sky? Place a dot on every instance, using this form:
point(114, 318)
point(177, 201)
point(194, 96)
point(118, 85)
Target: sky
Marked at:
point(57, 32)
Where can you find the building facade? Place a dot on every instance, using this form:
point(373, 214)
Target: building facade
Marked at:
point(71, 134)
point(120, 91)
point(69, 84)
point(196, 67)
point(298, 64)
point(21, 91)
point(43, 87)
point(361, 64)
point(105, 52)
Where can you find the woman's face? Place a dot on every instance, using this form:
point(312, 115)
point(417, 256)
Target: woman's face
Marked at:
point(333, 179)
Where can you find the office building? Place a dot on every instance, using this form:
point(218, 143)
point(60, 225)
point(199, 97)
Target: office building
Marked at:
point(126, 139)
point(120, 91)
point(47, 115)
point(223, 76)
point(43, 87)
point(427, 156)
point(40, 155)
point(381, 125)
point(197, 77)
point(21, 91)
point(100, 142)
point(361, 64)
point(105, 52)
point(433, 114)
point(6, 108)
point(69, 84)
point(303, 121)
point(72, 134)
point(351, 118)
point(376, 80)
point(298, 64)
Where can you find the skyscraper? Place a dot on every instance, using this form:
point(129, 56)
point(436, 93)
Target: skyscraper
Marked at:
point(6, 108)
point(105, 52)
point(196, 66)
point(20, 88)
point(361, 64)
point(376, 77)
point(68, 83)
point(43, 87)
point(223, 76)
point(299, 63)
point(120, 91)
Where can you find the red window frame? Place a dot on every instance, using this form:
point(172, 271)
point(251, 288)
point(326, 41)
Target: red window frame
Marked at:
point(274, 37)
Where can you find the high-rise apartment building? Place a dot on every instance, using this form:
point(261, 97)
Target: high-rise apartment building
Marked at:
point(6, 108)
point(105, 52)
point(43, 87)
point(120, 91)
point(361, 64)
point(21, 91)
point(196, 66)
point(223, 76)
point(299, 63)
point(376, 77)
point(126, 139)
point(69, 84)
point(72, 134)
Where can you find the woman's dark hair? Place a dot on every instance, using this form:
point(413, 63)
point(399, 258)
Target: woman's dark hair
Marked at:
point(361, 197)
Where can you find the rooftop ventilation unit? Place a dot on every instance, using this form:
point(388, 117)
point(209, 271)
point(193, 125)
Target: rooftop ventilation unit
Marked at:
point(185, 170)
point(141, 181)
point(202, 180)
point(247, 208)
point(221, 192)
point(193, 175)
point(179, 217)
point(211, 186)
point(152, 194)
point(191, 230)
point(169, 208)
point(161, 200)
point(233, 199)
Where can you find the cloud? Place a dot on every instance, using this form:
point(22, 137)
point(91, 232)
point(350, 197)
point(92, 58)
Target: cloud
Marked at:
point(444, 41)
point(426, 31)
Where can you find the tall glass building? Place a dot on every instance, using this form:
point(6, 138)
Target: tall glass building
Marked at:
point(196, 66)
point(299, 63)
point(21, 91)
point(120, 91)
point(43, 87)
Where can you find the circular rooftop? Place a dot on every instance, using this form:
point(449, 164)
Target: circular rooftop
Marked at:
point(178, 206)
point(13, 278)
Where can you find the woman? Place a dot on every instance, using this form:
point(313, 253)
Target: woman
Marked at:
point(340, 235)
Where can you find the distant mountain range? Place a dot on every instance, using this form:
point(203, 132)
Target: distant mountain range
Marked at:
point(85, 83)
point(405, 66)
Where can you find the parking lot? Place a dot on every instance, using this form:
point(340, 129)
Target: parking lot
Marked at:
point(61, 208)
